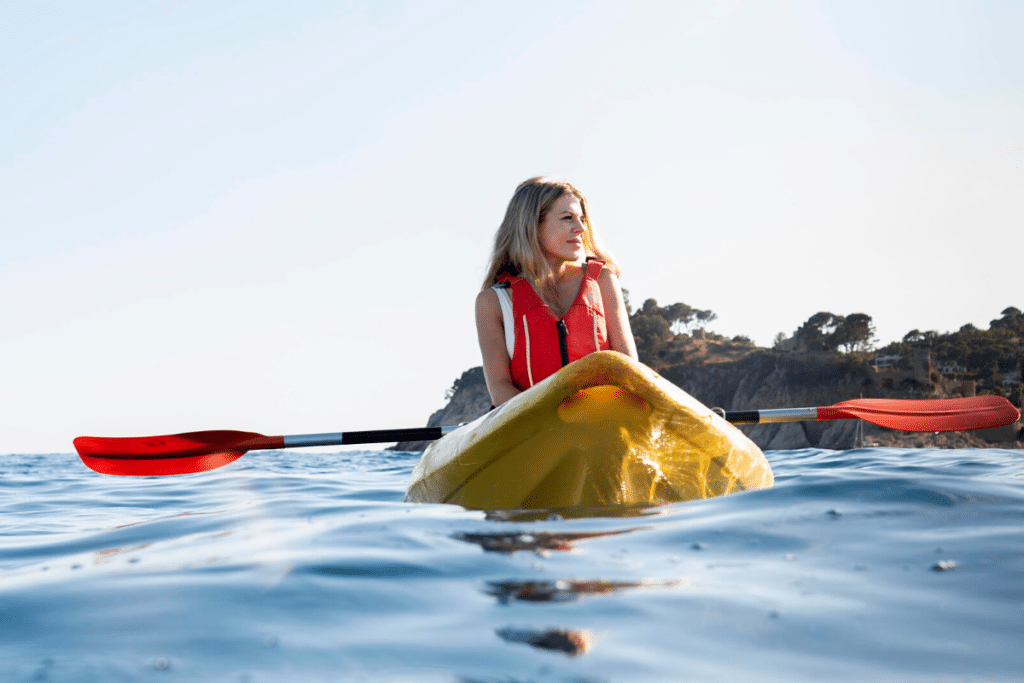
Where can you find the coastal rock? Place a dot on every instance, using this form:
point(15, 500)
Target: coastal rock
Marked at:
point(762, 379)
point(842, 435)
point(467, 400)
point(789, 437)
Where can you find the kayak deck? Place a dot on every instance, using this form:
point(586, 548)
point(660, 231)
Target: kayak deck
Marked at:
point(604, 430)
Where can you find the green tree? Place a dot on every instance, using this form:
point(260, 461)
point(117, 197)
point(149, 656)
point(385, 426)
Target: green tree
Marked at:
point(816, 333)
point(913, 336)
point(679, 316)
point(651, 331)
point(1012, 321)
point(658, 330)
point(705, 317)
point(855, 332)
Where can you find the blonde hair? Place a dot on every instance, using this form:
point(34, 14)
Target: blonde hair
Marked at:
point(517, 250)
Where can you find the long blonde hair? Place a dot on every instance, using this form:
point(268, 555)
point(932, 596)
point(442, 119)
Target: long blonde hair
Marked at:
point(517, 250)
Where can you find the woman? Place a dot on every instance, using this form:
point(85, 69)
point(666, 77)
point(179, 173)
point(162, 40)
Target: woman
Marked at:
point(551, 294)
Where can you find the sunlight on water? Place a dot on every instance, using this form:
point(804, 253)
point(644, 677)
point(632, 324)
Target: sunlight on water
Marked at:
point(863, 565)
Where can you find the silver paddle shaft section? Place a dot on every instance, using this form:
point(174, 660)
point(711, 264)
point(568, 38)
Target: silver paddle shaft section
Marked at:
point(370, 436)
point(774, 415)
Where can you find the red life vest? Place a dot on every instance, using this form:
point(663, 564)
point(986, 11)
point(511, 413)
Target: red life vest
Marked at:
point(543, 342)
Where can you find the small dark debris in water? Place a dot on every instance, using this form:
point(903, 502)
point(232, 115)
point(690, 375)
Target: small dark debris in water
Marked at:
point(774, 615)
point(834, 514)
point(162, 664)
point(944, 566)
point(698, 546)
point(939, 551)
point(133, 560)
point(76, 566)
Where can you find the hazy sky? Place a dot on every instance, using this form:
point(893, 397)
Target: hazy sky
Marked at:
point(275, 216)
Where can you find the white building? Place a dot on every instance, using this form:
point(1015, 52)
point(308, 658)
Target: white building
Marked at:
point(950, 367)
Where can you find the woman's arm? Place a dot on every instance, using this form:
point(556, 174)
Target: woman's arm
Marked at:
point(490, 330)
point(620, 336)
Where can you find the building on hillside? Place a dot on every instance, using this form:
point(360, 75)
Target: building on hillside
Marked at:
point(923, 363)
point(949, 367)
point(888, 377)
point(885, 362)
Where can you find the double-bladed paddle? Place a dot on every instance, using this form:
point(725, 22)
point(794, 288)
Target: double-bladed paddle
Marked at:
point(204, 451)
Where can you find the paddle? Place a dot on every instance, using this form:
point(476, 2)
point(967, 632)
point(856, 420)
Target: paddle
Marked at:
point(204, 451)
point(933, 415)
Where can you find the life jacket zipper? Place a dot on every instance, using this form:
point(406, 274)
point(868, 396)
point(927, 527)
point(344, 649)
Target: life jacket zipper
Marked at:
point(563, 341)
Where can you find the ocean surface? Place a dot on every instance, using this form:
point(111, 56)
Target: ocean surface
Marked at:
point(873, 565)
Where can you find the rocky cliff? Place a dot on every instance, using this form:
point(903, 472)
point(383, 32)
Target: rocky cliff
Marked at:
point(759, 380)
point(467, 400)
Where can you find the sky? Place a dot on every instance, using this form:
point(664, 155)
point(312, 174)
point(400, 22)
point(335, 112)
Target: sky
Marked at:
point(275, 217)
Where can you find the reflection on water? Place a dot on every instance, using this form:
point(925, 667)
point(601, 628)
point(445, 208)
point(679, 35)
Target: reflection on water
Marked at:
point(571, 642)
point(567, 590)
point(540, 542)
point(563, 513)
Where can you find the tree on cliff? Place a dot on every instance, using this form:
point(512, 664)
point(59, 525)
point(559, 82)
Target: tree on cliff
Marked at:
point(985, 354)
point(914, 335)
point(826, 331)
point(662, 331)
point(702, 318)
point(651, 330)
point(816, 333)
point(855, 333)
point(1012, 321)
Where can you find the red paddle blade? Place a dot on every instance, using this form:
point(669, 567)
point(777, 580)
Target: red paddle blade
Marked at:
point(171, 454)
point(938, 415)
point(155, 467)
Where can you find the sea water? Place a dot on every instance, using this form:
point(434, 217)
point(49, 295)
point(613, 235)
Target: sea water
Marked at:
point(864, 565)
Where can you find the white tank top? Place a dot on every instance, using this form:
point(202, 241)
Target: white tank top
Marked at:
point(508, 321)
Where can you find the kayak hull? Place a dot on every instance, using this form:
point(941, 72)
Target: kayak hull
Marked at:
point(604, 430)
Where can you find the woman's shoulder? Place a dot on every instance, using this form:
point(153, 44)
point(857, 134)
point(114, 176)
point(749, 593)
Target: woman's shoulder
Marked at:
point(608, 283)
point(487, 301)
point(608, 278)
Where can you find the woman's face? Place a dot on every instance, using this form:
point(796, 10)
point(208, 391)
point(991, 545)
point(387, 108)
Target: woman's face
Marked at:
point(561, 229)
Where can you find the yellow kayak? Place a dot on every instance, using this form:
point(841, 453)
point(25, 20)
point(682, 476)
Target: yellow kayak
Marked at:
point(604, 430)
